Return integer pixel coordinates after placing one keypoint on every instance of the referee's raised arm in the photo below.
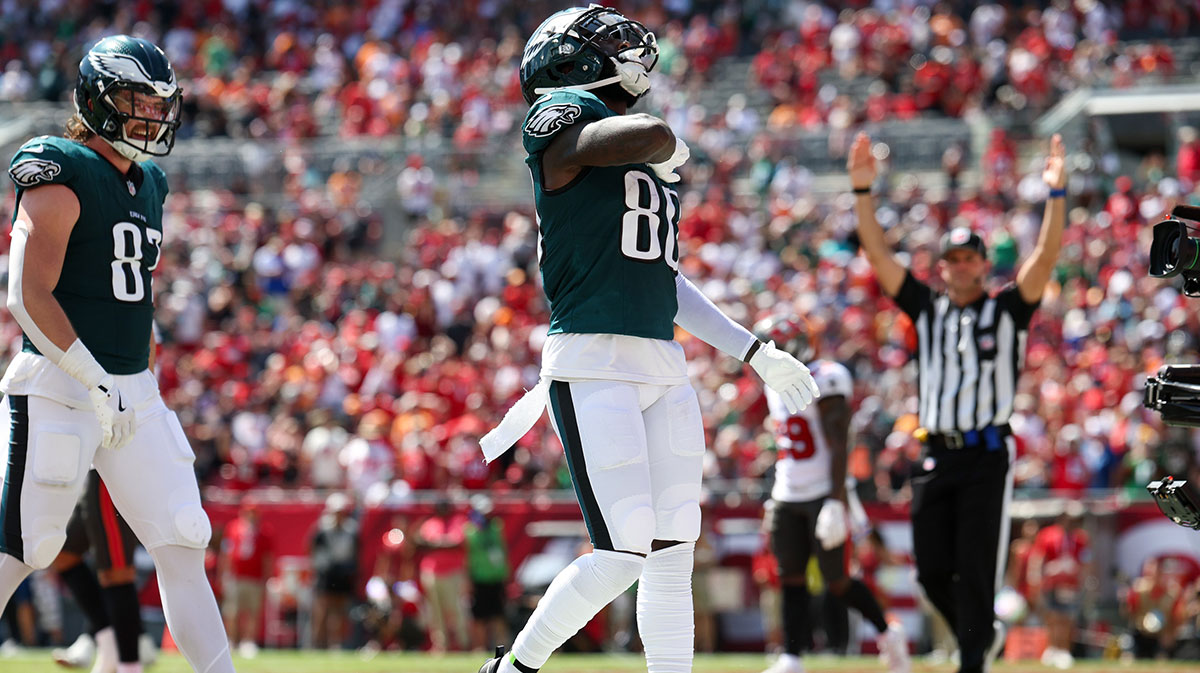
(1035, 272)
(861, 167)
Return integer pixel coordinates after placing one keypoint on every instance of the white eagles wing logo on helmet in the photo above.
(30, 172)
(126, 68)
(552, 118)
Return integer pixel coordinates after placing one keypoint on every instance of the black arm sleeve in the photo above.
(913, 296)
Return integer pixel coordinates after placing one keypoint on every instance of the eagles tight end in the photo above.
(87, 234)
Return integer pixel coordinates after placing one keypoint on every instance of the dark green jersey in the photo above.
(105, 284)
(609, 244)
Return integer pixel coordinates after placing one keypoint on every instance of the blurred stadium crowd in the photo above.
(297, 357)
(278, 68)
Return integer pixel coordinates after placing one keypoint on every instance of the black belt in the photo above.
(989, 437)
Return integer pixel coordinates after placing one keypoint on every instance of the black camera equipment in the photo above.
(1177, 501)
(1176, 251)
(1174, 391)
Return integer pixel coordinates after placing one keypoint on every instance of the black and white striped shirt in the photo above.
(969, 357)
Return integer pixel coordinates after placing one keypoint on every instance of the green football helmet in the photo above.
(588, 48)
(127, 79)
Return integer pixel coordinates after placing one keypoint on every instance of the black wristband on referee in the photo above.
(862, 190)
(753, 349)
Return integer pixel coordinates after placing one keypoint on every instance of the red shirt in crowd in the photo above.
(446, 530)
(247, 546)
(1062, 552)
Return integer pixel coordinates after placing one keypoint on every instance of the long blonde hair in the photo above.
(77, 130)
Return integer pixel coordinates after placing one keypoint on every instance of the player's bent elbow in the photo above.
(20, 301)
(18, 308)
(658, 136)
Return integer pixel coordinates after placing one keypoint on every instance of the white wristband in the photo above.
(79, 362)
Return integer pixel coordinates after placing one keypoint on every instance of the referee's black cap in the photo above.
(962, 238)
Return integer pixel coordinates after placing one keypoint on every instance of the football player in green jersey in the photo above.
(86, 236)
(614, 377)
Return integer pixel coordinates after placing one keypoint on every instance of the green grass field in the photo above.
(38, 661)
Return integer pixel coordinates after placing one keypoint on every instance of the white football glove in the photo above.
(785, 375)
(666, 169)
(115, 413)
(831, 524)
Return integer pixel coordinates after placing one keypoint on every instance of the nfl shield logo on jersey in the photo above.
(132, 188)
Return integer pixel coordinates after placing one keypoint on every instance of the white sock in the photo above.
(190, 608)
(134, 667)
(12, 573)
(574, 597)
(665, 617)
(106, 651)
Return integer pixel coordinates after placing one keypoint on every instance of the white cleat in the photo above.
(106, 651)
(248, 649)
(147, 650)
(786, 663)
(78, 655)
(1056, 658)
(893, 649)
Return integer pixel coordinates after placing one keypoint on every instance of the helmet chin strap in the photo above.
(122, 147)
(129, 151)
(633, 78)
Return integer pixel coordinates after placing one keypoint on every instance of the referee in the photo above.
(970, 349)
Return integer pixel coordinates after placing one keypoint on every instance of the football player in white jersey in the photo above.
(809, 501)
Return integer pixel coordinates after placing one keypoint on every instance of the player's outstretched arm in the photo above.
(701, 318)
(862, 170)
(1035, 272)
(779, 370)
(45, 218)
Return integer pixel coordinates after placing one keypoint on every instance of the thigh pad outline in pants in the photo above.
(153, 484)
(53, 444)
(600, 425)
(675, 438)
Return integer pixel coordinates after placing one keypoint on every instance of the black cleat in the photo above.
(492, 665)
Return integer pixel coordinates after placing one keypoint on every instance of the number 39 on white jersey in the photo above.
(802, 467)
